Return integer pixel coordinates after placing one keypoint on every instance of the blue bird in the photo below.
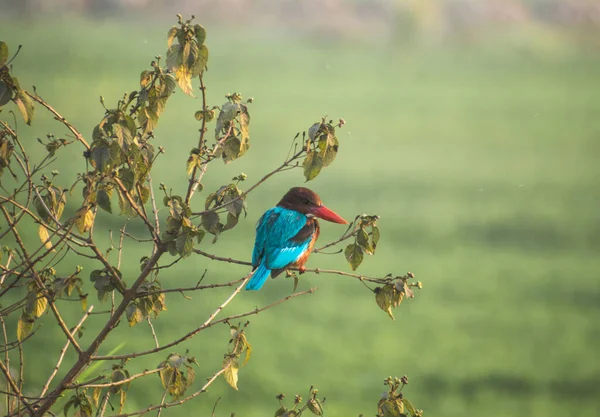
(286, 234)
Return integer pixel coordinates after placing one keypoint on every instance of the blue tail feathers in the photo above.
(259, 277)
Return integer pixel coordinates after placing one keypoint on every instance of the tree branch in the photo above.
(204, 326)
(58, 117)
(63, 351)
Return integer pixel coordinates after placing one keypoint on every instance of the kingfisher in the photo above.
(286, 234)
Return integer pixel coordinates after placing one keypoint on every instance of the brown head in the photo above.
(307, 202)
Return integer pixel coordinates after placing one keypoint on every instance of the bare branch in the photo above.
(116, 383)
(15, 388)
(63, 351)
(204, 327)
(61, 119)
(178, 402)
(193, 185)
(286, 164)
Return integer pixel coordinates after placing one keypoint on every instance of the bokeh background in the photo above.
(472, 130)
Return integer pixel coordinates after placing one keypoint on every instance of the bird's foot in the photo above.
(302, 269)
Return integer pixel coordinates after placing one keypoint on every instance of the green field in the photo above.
(480, 160)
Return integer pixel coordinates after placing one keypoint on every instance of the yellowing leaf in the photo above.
(231, 373)
(24, 327)
(134, 314)
(171, 35)
(25, 105)
(4, 52)
(84, 219)
(44, 236)
(39, 305)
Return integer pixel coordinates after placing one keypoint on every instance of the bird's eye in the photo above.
(307, 201)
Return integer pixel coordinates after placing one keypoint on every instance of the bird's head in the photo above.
(307, 202)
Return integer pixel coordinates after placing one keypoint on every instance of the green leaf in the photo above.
(210, 222)
(25, 105)
(226, 115)
(375, 236)
(232, 148)
(200, 34)
(313, 162)
(231, 373)
(201, 61)
(5, 94)
(315, 407)
(24, 326)
(331, 150)
(362, 238)
(100, 155)
(354, 255)
(4, 53)
(409, 407)
(184, 244)
(384, 297)
(103, 200)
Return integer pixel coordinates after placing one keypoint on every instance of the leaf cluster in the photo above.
(228, 200)
(394, 291)
(238, 346)
(393, 403)
(118, 373)
(366, 236)
(188, 57)
(177, 374)
(150, 302)
(322, 147)
(299, 406)
(10, 90)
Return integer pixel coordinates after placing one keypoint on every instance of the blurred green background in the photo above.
(478, 148)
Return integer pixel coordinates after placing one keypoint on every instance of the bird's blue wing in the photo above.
(274, 234)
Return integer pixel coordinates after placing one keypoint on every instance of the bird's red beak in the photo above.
(324, 213)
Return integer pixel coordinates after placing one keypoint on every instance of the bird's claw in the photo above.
(302, 269)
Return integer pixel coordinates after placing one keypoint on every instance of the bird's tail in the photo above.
(259, 276)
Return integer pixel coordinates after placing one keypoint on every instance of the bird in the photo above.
(286, 234)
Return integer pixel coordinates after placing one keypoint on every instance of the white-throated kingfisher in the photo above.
(286, 234)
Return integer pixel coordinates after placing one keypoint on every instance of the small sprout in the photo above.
(78, 269)
(55, 172)
(404, 380)
(280, 396)
(341, 122)
(161, 149)
(410, 275)
(250, 100)
(419, 284)
(297, 399)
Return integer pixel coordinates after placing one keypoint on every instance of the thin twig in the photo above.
(116, 383)
(178, 402)
(153, 332)
(63, 351)
(259, 182)
(61, 119)
(15, 388)
(193, 184)
(205, 326)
